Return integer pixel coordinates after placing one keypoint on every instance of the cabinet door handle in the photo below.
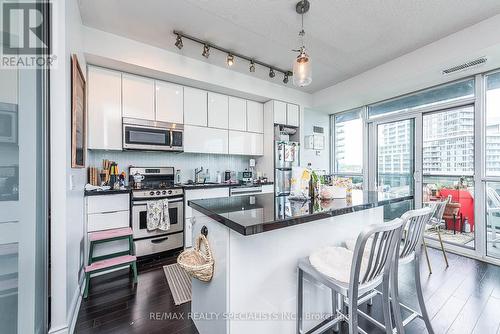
(115, 211)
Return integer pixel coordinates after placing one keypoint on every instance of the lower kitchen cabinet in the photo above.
(246, 143)
(193, 194)
(198, 139)
(104, 212)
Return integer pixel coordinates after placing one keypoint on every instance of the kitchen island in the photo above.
(256, 242)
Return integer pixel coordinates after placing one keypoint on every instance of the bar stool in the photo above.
(352, 274)
(414, 223)
(435, 223)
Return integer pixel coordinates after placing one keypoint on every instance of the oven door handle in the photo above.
(160, 240)
(139, 203)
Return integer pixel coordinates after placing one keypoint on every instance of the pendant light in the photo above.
(302, 71)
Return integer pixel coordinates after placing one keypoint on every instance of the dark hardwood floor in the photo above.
(464, 298)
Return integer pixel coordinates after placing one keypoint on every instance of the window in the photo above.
(446, 93)
(347, 147)
(492, 149)
(348, 142)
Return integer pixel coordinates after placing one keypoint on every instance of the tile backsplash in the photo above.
(186, 162)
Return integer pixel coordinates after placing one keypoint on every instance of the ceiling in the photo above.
(344, 37)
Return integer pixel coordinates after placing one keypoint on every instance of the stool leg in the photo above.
(300, 297)
(134, 269)
(335, 309)
(442, 248)
(353, 314)
(91, 252)
(87, 285)
(131, 245)
(427, 257)
(396, 308)
(386, 304)
(420, 296)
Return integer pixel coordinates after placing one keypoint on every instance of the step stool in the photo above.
(110, 261)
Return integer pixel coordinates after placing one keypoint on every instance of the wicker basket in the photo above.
(198, 263)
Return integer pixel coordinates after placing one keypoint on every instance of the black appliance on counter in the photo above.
(157, 184)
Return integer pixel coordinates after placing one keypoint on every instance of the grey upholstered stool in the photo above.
(351, 275)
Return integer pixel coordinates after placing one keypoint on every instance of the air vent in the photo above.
(465, 66)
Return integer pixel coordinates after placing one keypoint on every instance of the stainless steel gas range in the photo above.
(156, 183)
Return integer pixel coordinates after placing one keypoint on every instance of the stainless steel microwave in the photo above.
(152, 136)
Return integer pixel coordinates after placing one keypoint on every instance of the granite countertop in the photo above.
(254, 214)
(107, 192)
(222, 185)
(185, 186)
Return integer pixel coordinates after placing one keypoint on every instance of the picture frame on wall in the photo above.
(78, 114)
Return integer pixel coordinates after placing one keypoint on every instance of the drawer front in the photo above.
(106, 221)
(108, 203)
(159, 244)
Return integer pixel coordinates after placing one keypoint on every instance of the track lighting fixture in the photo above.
(178, 42)
(206, 51)
(285, 78)
(271, 73)
(230, 59)
(231, 56)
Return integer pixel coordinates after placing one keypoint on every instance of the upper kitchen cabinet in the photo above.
(169, 102)
(292, 114)
(255, 117)
(199, 139)
(237, 114)
(195, 106)
(104, 109)
(138, 97)
(279, 111)
(218, 110)
(246, 143)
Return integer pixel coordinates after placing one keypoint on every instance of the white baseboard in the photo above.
(72, 313)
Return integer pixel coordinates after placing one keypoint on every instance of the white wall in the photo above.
(105, 49)
(313, 118)
(416, 70)
(67, 203)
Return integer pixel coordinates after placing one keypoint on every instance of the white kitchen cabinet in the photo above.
(104, 212)
(192, 194)
(218, 109)
(246, 143)
(138, 97)
(237, 114)
(104, 109)
(279, 111)
(292, 114)
(255, 117)
(195, 106)
(198, 139)
(169, 102)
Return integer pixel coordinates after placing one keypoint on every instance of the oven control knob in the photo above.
(158, 192)
(152, 193)
(169, 192)
(163, 192)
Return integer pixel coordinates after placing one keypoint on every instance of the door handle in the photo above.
(157, 241)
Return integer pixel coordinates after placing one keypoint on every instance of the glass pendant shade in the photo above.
(302, 72)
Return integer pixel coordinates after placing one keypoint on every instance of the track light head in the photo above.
(285, 78)
(252, 67)
(178, 42)
(206, 51)
(230, 60)
(271, 73)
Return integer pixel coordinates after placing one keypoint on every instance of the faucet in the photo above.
(196, 174)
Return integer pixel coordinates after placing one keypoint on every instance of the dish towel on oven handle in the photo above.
(157, 215)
